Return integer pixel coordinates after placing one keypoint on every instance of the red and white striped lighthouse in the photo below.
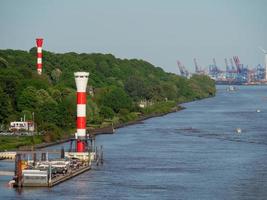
(39, 44)
(81, 79)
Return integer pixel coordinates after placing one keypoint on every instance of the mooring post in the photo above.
(91, 143)
(71, 141)
(96, 155)
(34, 158)
(18, 170)
(94, 145)
(32, 150)
(89, 157)
(62, 153)
(50, 175)
(43, 157)
(101, 156)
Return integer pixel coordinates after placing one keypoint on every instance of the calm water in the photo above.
(192, 154)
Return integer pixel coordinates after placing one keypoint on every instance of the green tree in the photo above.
(170, 91)
(67, 111)
(3, 62)
(116, 98)
(106, 112)
(28, 99)
(136, 88)
(5, 106)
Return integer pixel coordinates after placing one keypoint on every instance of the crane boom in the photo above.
(232, 63)
(226, 65)
(196, 65)
(214, 62)
(263, 50)
(182, 69)
(237, 63)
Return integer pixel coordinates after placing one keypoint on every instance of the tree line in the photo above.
(118, 86)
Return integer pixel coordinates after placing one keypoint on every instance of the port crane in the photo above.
(183, 70)
(232, 64)
(198, 68)
(265, 60)
(227, 67)
(237, 64)
(213, 69)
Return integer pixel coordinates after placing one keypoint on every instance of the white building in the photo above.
(21, 126)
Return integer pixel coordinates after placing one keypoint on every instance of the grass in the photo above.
(160, 107)
(14, 142)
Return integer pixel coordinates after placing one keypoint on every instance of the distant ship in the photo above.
(231, 88)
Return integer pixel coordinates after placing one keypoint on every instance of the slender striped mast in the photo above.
(39, 44)
(81, 79)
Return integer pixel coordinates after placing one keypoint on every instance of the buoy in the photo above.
(258, 110)
(239, 130)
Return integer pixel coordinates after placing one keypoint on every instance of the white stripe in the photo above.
(81, 132)
(39, 60)
(39, 49)
(39, 71)
(81, 90)
(81, 84)
(81, 110)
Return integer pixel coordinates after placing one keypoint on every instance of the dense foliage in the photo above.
(118, 85)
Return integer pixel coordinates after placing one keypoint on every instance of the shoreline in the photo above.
(106, 130)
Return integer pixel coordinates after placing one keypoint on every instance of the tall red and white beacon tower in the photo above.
(39, 44)
(81, 79)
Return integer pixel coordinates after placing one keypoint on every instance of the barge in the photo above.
(48, 173)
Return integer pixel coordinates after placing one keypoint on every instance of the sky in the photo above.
(158, 31)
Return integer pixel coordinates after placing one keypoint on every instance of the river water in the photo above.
(192, 154)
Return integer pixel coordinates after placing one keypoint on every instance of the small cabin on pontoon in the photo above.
(21, 126)
(35, 177)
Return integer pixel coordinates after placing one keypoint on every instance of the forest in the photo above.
(115, 89)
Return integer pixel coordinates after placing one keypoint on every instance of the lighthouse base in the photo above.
(80, 146)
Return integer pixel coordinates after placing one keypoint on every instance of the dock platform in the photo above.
(70, 175)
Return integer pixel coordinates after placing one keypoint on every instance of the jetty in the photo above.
(35, 169)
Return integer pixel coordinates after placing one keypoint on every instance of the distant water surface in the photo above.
(192, 154)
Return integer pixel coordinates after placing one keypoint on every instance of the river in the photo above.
(192, 154)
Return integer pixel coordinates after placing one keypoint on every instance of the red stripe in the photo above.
(80, 146)
(39, 55)
(39, 66)
(39, 42)
(81, 97)
(81, 122)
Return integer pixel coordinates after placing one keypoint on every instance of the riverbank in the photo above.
(105, 130)
(157, 111)
(99, 131)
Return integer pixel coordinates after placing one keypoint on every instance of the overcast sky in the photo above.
(159, 31)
